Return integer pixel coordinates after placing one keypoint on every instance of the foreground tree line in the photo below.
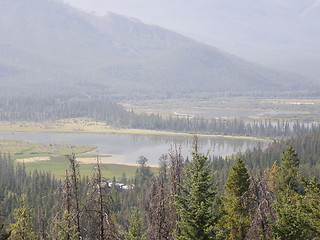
(104, 110)
(181, 201)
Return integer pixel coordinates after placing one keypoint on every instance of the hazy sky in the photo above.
(274, 32)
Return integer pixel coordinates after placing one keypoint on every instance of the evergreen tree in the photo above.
(312, 206)
(63, 230)
(292, 204)
(236, 221)
(134, 229)
(289, 172)
(143, 173)
(272, 176)
(22, 228)
(195, 206)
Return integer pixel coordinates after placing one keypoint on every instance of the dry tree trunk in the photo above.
(260, 200)
(175, 181)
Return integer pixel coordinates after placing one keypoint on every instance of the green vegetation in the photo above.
(134, 229)
(48, 157)
(58, 166)
(71, 115)
(22, 150)
(235, 221)
(195, 204)
(184, 200)
(261, 193)
(23, 227)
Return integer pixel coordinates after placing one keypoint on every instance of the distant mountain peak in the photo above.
(54, 48)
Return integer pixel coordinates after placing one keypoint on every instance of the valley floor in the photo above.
(83, 125)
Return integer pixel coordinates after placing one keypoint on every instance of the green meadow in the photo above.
(59, 165)
(20, 149)
(52, 158)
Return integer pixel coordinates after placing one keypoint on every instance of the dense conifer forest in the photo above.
(112, 113)
(270, 193)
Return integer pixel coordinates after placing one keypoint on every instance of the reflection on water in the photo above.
(130, 147)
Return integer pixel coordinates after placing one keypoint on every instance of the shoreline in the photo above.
(86, 126)
(89, 160)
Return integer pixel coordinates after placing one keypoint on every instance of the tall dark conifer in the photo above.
(235, 222)
(195, 205)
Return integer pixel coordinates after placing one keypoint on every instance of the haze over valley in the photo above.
(159, 120)
(49, 47)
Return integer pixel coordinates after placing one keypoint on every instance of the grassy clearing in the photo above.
(248, 108)
(93, 156)
(23, 149)
(89, 126)
(58, 168)
(51, 158)
(59, 165)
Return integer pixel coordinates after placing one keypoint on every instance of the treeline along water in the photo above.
(126, 148)
(102, 109)
(49, 206)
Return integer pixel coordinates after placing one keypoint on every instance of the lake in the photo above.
(128, 147)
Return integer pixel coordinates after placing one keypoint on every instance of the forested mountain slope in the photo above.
(49, 46)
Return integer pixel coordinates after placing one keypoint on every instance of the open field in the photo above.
(84, 125)
(58, 167)
(43, 157)
(19, 149)
(248, 108)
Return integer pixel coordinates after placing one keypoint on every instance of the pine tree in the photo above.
(236, 221)
(195, 206)
(63, 230)
(289, 172)
(22, 228)
(143, 173)
(312, 206)
(272, 176)
(291, 205)
(134, 229)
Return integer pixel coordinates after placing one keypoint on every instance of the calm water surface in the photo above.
(129, 147)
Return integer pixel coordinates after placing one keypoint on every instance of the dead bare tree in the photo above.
(175, 181)
(74, 167)
(158, 211)
(64, 222)
(260, 200)
(101, 225)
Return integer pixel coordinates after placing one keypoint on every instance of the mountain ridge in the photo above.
(53, 45)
